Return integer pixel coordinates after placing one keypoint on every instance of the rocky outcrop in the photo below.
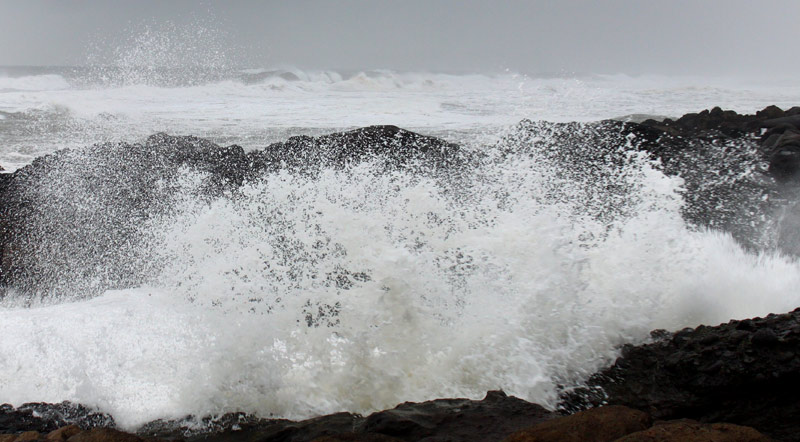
(72, 221)
(603, 424)
(686, 430)
(740, 173)
(44, 418)
(495, 418)
(490, 419)
(743, 372)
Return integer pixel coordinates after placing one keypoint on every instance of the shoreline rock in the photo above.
(745, 372)
(496, 418)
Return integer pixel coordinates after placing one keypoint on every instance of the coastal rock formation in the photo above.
(72, 221)
(735, 178)
(686, 430)
(597, 424)
(44, 418)
(490, 419)
(496, 418)
(744, 372)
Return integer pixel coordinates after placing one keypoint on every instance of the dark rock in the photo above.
(743, 372)
(764, 337)
(770, 112)
(597, 424)
(792, 121)
(45, 418)
(491, 419)
(63, 433)
(243, 427)
(686, 430)
(718, 157)
(356, 437)
(396, 146)
(28, 436)
(71, 221)
(104, 435)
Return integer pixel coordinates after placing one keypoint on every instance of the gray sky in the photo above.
(628, 36)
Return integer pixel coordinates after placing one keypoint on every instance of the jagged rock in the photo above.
(491, 419)
(45, 418)
(602, 424)
(240, 426)
(743, 372)
(63, 433)
(724, 186)
(104, 435)
(71, 221)
(686, 430)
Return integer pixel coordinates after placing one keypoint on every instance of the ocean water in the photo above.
(356, 289)
(44, 109)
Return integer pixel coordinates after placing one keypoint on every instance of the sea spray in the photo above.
(355, 288)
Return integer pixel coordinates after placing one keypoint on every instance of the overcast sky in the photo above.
(615, 36)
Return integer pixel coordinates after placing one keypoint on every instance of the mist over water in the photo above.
(356, 288)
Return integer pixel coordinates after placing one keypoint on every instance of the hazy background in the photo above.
(630, 36)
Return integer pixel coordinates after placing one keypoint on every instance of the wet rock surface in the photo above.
(490, 419)
(44, 417)
(686, 430)
(739, 171)
(72, 221)
(597, 424)
(496, 418)
(743, 372)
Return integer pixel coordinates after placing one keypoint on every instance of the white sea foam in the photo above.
(356, 290)
(255, 109)
(49, 82)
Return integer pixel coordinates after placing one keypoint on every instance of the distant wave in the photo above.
(48, 82)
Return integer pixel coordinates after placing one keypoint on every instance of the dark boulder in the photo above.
(71, 222)
(491, 419)
(604, 424)
(398, 147)
(686, 430)
(44, 418)
(743, 372)
(725, 186)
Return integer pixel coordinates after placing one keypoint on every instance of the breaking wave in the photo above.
(356, 288)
